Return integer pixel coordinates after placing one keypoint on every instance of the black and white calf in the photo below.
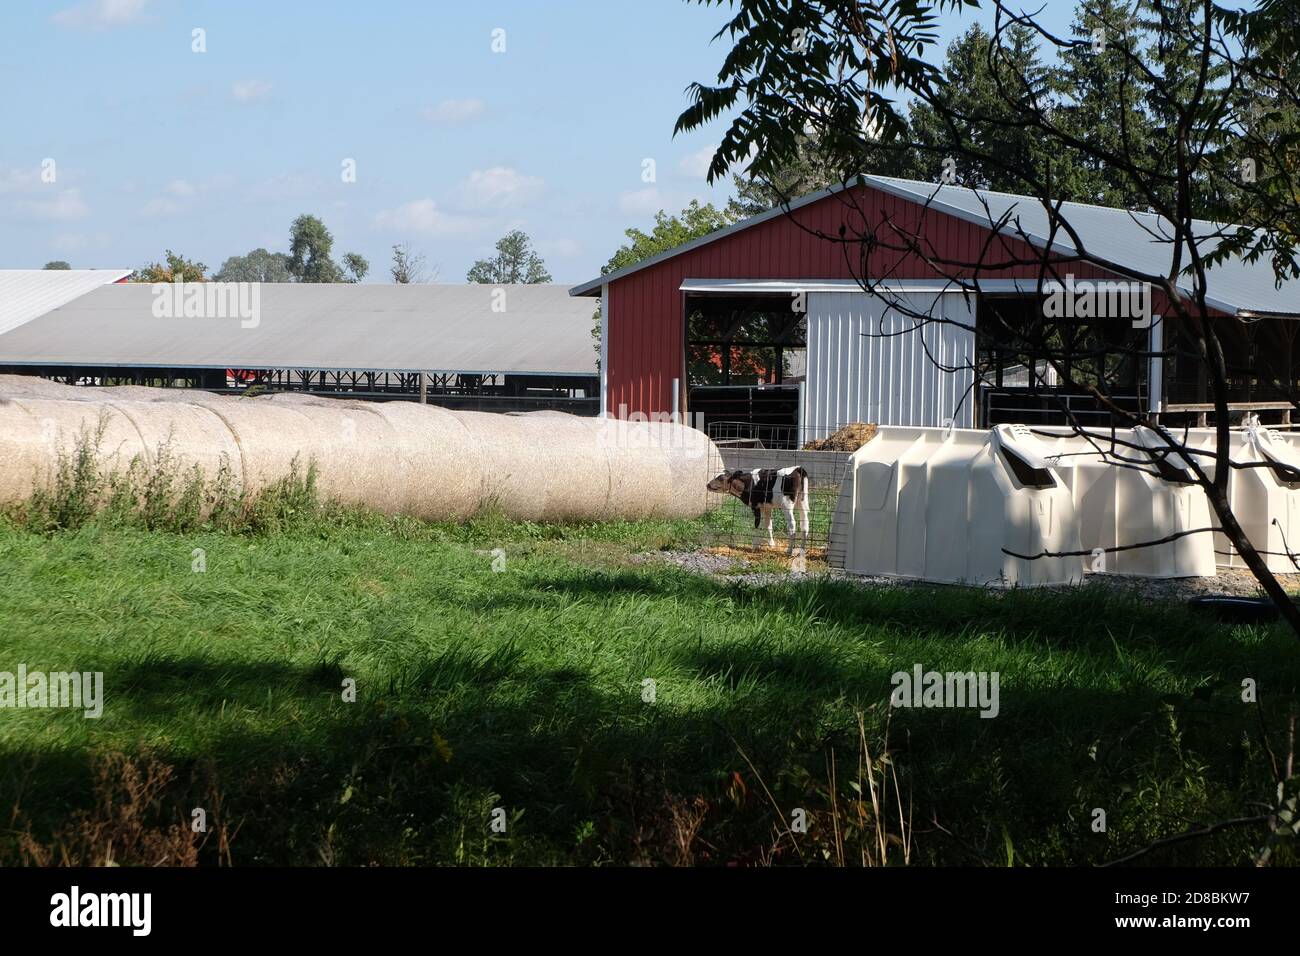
(763, 488)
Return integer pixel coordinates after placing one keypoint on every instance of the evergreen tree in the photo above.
(1104, 97)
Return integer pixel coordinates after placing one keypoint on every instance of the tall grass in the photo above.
(162, 494)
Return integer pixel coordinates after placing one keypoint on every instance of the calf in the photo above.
(760, 489)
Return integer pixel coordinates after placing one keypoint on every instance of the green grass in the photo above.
(523, 689)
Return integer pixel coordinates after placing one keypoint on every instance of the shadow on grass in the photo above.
(405, 773)
(1108, 631)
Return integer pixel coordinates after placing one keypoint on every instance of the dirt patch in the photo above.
(701, 562)
(757, 568)
(762, 553)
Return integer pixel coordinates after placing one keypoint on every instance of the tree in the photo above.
(409, 266)
(991, 84)
(812, 167)
(807, 171)
(258, 266)
(669, 232)
(310, 245)
(175, 269)
(58, 264)
(845, 57)
(355, 267)
(1104, 103)
(1268, 114)
(514, 263)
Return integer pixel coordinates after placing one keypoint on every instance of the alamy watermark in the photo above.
(209, 300)
(75, 690)
(1096, 299)
(75, 908)
(953, 689)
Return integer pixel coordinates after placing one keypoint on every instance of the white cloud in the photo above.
(499, 186)
(176, 198)
(285, 186)
(454, 111)
(67, 205)
(559, 248)
(423, 217)
(160, 208)
(642, 202)
(101, 14)
(17, 179)
(648, 201)
(70, 242)
(247, 91)
(696, 165)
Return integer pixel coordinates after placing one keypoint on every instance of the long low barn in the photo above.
(465, 346)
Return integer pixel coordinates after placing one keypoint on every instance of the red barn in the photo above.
(766, 321)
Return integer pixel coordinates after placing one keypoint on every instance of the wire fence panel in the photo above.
(754, 448)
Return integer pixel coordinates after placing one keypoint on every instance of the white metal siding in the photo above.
(859, 371)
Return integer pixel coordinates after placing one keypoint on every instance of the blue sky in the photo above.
(213, 154)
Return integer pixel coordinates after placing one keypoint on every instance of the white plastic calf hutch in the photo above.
(1264, 492)
(947, 505)
(1264, 495)
(1129, 488)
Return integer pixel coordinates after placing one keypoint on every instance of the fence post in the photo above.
(799, 433)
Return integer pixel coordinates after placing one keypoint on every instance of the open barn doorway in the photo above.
(1018, 385)
(746, 360)
(1261, 357)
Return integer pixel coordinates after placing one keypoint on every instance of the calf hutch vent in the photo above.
(956, 506)
(394, 457)
(1130, 488)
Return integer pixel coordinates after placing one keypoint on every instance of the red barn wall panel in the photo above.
(646, 345)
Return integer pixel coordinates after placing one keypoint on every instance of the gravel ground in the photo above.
(739, 569)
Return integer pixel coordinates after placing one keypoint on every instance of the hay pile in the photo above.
(394, 457)
(849, 438)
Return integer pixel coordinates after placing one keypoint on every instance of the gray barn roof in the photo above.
(1138, 241)
(434, 328)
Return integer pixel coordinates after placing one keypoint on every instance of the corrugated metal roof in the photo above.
(27, 293)
(1138, 241)
(434, 328)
